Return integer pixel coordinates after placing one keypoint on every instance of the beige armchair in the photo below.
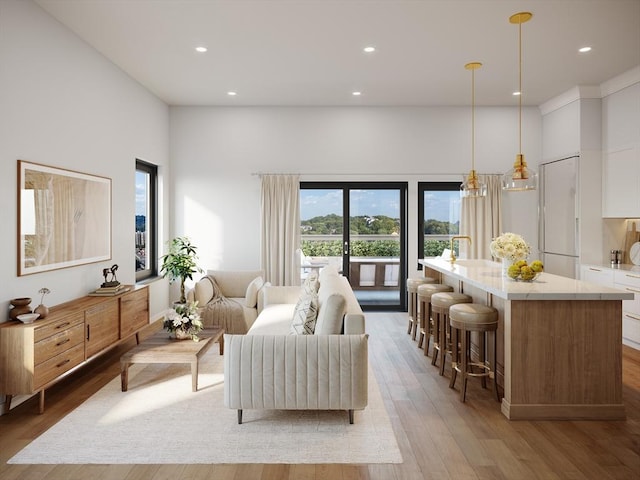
(229, 298)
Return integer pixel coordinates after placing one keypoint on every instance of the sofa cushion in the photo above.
(305, 314)
(274, 320)
(251, 296)
(330, 271)
(331, 314)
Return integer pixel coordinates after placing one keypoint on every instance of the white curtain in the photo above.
(481, 219)
(280, 206)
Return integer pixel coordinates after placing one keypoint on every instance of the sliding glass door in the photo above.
(359, 228)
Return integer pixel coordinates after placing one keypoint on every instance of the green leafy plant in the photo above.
(180, 263)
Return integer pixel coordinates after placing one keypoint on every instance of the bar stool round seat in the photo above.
(440, 304)
(412, 290)
(424, 311)
(467, 318)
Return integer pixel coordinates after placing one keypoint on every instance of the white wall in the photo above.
(214, 152)
(64, 104)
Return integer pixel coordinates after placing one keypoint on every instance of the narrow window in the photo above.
(438, 216)
(145, 221)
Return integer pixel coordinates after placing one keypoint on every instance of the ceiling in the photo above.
(310, 52)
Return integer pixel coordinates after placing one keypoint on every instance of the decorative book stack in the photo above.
(110, 291)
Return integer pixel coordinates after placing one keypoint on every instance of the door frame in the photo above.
(346, 187)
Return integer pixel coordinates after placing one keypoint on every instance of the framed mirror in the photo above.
(64, 218)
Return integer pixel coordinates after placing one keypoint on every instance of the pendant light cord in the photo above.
(520, 88)
(473, 119)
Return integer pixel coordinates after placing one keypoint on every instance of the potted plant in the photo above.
(180, 263)
(183, 321)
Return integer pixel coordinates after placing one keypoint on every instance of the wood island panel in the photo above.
(567, 361)
(558, 358)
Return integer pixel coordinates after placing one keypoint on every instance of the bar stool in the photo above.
(424, 311)
(440, 304)
(412, 289)
(467, 318)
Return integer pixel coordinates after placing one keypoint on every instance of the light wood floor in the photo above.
(439, 437)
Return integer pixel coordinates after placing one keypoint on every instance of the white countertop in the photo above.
(627, 267)
(487, 275)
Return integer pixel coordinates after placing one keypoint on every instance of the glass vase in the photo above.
(506, 263)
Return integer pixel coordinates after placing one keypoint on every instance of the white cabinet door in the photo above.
(595, 274)
(621, 183)
(629, 281)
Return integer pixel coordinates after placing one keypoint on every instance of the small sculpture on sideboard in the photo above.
(109, 275)
(20, 306)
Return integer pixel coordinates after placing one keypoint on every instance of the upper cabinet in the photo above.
(621, 153)
(621, 183)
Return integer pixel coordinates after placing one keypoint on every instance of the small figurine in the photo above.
(113, 281)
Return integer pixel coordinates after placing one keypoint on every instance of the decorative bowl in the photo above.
(529, 280)
(28, 317)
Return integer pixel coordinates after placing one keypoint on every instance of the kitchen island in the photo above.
(559, 340)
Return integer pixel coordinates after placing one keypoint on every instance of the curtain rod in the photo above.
(259, 174)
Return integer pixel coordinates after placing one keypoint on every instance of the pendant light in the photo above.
(471, 187)
(520, 177)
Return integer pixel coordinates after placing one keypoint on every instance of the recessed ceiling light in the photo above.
(201, 49)
(369, 49)
(584, 49)
(515, 94)
(356, 94)
(232, 94)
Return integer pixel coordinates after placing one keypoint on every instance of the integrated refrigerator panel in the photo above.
(559, 218)
(565, 266)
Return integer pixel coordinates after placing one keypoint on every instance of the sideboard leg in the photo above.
(351, 416)
(7, 404)
(41, 408)
(239, 416)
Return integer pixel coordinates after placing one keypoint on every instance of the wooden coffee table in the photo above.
(159, 348)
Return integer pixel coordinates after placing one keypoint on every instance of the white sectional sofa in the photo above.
(270, 368)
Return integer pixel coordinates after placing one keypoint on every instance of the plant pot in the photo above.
(182, 335)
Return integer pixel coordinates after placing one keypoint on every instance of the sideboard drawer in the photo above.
(56, 344)
(58, 326)
(56, 366)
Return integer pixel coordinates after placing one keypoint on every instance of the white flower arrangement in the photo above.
(510, 246)
(184, 319)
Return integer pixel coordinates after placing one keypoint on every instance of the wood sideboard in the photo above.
(35, 356)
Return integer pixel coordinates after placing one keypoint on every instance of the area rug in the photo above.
(161, 421)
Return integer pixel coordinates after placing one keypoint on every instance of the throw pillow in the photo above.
(205, 290)
(251, 297)
(304, 315)
(311, 284)
(331, 316)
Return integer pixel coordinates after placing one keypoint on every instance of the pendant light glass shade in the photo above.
(520, 177)
(471, 187)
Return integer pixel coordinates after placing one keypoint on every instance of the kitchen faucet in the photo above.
(457, 237)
